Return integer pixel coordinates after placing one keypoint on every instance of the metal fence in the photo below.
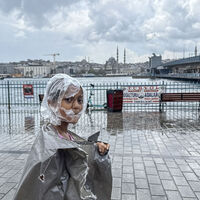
(11, 94)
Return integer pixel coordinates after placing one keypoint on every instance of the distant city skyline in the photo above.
(31, 29)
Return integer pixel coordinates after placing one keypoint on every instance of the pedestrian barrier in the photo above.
(137, 96)
(41, 96)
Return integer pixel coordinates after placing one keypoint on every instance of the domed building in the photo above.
(111, 66)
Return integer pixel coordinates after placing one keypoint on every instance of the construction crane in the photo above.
(54, 56)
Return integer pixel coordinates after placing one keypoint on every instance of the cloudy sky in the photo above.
(31, 29)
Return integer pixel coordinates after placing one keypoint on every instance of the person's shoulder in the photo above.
(44, 136)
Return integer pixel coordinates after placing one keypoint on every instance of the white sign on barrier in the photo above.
(142, 94)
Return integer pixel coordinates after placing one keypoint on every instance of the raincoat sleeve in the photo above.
(99, 177)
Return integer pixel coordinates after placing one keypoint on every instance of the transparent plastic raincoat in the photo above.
(60, 169)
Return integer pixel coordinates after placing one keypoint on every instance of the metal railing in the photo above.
(11, 93)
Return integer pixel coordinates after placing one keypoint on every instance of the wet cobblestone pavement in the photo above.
(154, 156)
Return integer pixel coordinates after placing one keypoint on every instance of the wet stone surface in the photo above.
(154, 156)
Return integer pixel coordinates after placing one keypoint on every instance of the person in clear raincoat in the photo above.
(62, 165)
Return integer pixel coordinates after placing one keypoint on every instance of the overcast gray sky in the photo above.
(94, 28)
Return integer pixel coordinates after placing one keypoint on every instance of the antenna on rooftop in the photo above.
(195, 50)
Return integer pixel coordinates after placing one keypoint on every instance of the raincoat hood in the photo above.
(58, 87)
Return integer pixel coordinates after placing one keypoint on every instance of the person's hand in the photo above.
(103, 148)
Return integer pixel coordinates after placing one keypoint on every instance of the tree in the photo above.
(27, 74)
(91, 71)
(31, 73)
(101, 71)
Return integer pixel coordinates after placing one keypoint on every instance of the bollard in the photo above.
(8, 95)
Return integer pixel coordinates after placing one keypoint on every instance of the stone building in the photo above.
(154, 62)
(111, 66)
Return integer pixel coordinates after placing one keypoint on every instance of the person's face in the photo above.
(74, 103)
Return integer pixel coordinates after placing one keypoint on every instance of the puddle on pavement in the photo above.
(29, 122)
(19, 121)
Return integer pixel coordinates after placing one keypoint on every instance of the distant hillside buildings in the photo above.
(41, 68)
(8, 68)
(155, 65)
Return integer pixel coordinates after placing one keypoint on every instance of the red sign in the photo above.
(28, 90)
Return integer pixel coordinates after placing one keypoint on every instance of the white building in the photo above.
(35, 70)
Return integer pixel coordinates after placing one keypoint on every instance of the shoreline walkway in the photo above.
(154, 155)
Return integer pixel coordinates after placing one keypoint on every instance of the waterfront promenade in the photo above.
(154, 155)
